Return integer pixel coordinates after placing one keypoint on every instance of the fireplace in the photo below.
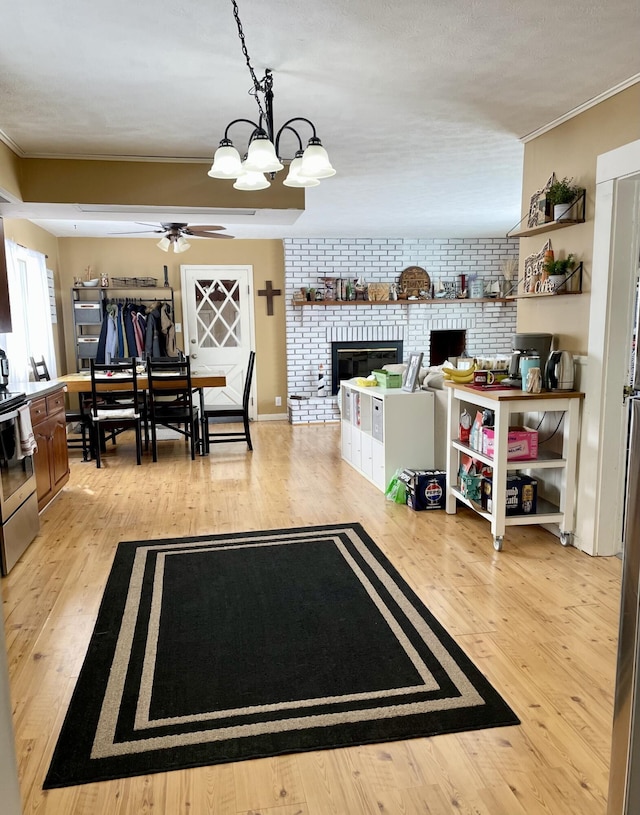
(351, 359)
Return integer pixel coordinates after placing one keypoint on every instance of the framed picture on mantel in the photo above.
(410, 380)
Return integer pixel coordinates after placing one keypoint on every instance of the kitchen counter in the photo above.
(35, 389)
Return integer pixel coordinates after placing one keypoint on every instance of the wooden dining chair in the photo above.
(218, 415)
(114, 409)
(170, 396)
(73, 418)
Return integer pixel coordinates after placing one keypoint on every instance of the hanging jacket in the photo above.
(169, 331)
(155, 339)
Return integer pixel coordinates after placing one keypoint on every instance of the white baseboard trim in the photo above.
(273, 417)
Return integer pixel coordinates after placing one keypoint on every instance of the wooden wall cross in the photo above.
(269, 293)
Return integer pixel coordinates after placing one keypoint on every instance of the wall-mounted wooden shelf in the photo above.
(550, 226)
(542, 294)
(430, 302)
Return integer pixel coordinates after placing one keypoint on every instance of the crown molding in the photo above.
(84, 157)
(581, 108)
(11, 144)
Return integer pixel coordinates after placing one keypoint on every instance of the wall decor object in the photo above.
(413, 280)
(378, 291)
(533, 268)
(539, 207)
(411, 378)
(269, 293)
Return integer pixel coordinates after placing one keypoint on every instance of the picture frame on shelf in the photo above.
(413, 368)
(539, 207)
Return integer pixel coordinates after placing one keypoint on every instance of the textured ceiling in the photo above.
(420, 105)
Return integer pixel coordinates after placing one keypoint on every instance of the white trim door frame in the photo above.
(218, 316)
(604, 423)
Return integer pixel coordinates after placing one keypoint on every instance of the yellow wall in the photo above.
(140, 257)
(9, 171)
(143, 183)
(571, 150)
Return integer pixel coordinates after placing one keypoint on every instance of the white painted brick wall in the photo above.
(490, 326)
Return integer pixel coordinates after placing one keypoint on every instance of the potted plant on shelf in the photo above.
(557, 271)
(562, 195)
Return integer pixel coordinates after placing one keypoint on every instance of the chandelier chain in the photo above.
(257, 86)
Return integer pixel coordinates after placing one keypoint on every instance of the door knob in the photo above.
(193, 342)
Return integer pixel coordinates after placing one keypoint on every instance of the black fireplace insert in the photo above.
(359, 358)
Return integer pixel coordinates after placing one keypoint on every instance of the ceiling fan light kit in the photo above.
(264, 142)
(181, 245)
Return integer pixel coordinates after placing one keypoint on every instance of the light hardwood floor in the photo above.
(539, 620)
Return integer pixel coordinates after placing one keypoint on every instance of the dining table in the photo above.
(81, 383)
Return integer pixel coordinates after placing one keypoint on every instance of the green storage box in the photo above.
(386, 379)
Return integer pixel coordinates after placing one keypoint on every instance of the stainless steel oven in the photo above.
(19, 520)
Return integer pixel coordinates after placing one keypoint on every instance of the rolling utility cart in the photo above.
(506, 403)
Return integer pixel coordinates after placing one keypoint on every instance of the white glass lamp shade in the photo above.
(294, 179)
(181, 245)
(261, 157)
(315, 161)
(164, 244)
(251, 181)
(226, 162)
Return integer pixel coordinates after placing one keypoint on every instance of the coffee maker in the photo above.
(4, 370)
(526, 346)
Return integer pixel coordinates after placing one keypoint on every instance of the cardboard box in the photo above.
(521, 497)
(522, 443)
(471, 485)
(426, 489)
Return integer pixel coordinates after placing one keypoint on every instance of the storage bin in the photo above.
(346, 404)
(87, 313)
(387, 379)
(377, 420)
(87, 347)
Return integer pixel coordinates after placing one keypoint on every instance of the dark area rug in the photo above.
(215, 649)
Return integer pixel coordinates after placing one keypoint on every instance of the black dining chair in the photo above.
(218, 415)
(115, 407)
(170, 397)
(73, 418)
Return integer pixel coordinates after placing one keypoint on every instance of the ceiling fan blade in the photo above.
(198, 234)
(138, 232)
(205, 226)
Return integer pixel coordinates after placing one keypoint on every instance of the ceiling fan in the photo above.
(174, 234)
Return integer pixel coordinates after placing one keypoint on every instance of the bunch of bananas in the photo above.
(459, 376)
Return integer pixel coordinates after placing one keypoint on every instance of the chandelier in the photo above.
(306, 169)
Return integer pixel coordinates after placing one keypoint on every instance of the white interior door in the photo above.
(217, 304)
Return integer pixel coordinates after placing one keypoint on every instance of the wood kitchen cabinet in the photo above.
(51, 461)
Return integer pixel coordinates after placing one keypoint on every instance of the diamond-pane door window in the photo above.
(218, 313)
